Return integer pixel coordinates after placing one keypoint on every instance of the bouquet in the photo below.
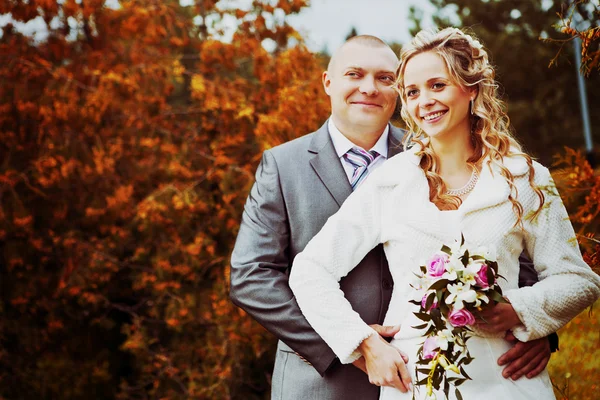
(458, 284)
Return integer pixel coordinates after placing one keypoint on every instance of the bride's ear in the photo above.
(474, 91)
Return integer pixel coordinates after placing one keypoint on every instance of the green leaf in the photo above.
(441, 284)
(446, 250)
(464, 373)
(429, 301)
(497, 297)
(422, 381)
(423, 316)
(489, 274)
(423, 326)
(458, 395)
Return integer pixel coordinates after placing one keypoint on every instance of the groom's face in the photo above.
(358, 82)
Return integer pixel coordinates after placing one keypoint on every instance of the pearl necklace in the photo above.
(467, 188)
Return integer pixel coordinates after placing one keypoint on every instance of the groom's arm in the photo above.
(259, 269)
(527, 358)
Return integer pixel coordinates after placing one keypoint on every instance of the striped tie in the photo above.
(359, 159)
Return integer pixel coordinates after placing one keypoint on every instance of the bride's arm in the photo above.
(567, 284)
(343, 241)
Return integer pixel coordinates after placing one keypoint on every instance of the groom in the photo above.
(298, 186)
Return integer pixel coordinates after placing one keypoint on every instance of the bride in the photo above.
(463, 173)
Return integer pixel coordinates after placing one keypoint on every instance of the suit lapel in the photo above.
(327, 165)
(395, 141)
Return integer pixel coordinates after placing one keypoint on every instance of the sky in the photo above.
(324, 25)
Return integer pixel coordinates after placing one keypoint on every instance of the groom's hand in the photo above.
(525, 358)
(499, 318)
(385, 366)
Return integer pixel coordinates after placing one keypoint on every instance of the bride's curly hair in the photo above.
(468, 65)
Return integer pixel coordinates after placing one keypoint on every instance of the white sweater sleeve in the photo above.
(341, 244)
(567, 284)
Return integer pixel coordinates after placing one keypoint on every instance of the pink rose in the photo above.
(424, 302)
(436, 265)
(429, 348)
(481, 277)
(461, 317)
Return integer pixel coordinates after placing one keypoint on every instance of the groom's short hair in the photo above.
(365, 40)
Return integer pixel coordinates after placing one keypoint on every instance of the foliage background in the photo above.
(129, 139)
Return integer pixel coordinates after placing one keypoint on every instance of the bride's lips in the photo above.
(434, 116)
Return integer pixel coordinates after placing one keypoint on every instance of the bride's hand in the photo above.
(500, 318)
(384, 331)
(384, 364)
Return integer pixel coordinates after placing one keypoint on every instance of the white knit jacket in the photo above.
(393, 207)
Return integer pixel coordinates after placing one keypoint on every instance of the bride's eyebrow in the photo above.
(430, 80)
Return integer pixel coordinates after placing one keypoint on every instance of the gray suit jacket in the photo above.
(298, 186)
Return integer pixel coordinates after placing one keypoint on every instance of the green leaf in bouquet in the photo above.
(437, 379)
(490, 275)
(497, 297)
(415, 302)
(462, 239)
(437, 285)
(465, 258)
(429, 301)
(443, 307)
(423, 370)
(468, 360)
(446, 250)
(423, 270)
(422, 381)
(464, 373)
(423, 362)
(423, 316)
(422, 326)
(477, 257)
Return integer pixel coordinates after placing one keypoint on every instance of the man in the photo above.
(298, 186)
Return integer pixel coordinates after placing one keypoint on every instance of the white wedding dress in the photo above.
(393, 207)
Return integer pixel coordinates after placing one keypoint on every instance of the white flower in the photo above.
(460, 293)
(470, 271)
(443, 337)
(481, 298)
(456, 249)
(489, 253)
(453, 266)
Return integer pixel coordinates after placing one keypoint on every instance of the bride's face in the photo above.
(435, 102)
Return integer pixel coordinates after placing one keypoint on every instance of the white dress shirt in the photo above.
(342, 144)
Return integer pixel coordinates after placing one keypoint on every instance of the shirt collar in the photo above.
(342, 144)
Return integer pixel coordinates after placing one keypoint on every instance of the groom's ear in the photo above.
(326, 81)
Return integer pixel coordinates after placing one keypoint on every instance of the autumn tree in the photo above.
(129, 139)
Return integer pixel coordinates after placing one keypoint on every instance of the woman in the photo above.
(464, 174)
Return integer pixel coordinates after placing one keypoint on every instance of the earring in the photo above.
(472, 105)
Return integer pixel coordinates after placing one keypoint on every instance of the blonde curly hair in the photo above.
(468, 65)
